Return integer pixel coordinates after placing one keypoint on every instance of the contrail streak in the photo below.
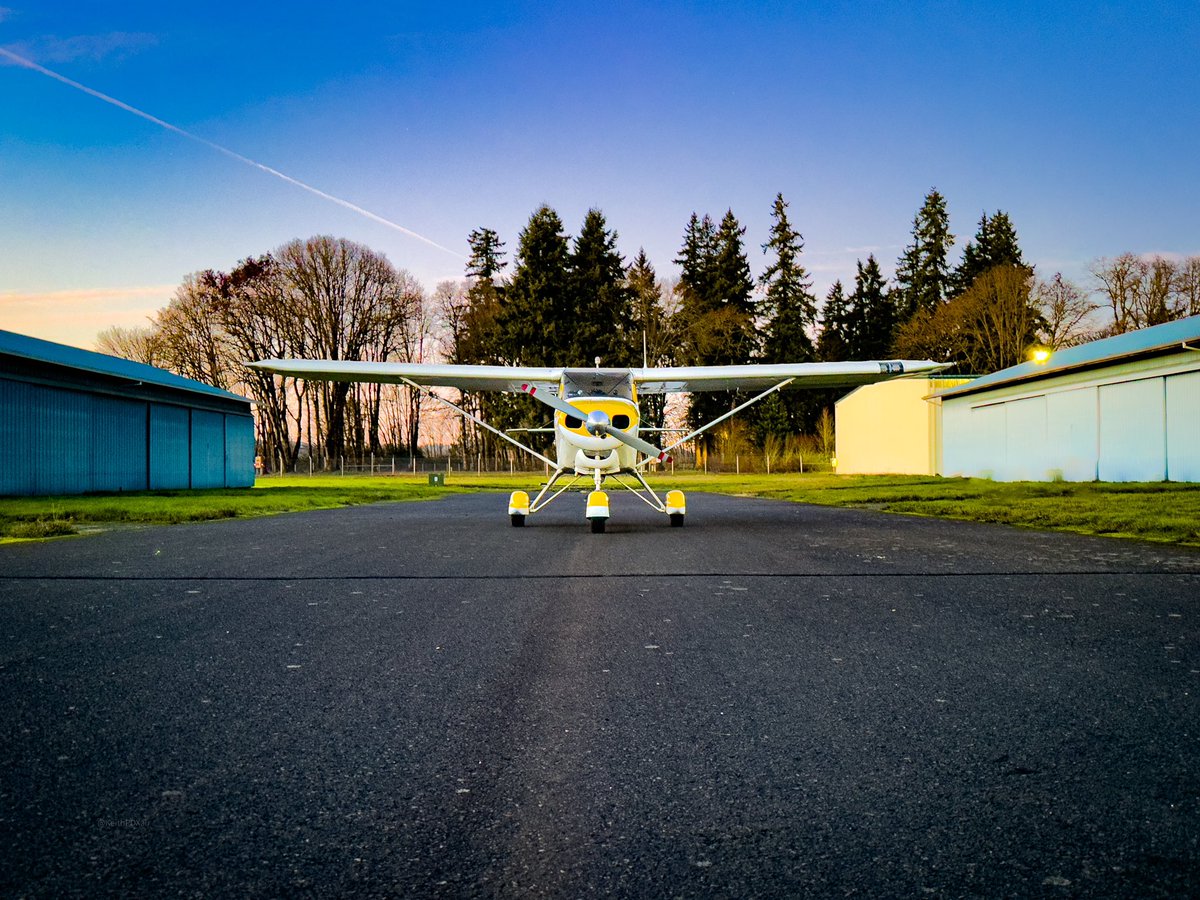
(29, 64)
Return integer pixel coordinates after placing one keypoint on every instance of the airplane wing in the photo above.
(467, 378)
(689, 379)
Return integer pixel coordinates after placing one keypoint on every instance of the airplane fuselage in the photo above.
(578, 448)
(605, 396)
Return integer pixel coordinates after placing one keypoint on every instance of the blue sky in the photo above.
(1078, 119)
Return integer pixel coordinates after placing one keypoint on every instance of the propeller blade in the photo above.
(644, 447)
(597, 423)
(554, 402)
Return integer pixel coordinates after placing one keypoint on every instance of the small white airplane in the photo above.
(596, 418)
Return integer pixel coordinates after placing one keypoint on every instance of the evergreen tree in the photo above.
(790, 312)
(716, 306)
(835, 339)
(733, 288)
(788, 305)
(696, 263)
(872, 314)
(478, 340)
(695, 289)
(995, 244)
(534, 318)
(601, 301)
(652, 331)
(487, 255)
(922, 271)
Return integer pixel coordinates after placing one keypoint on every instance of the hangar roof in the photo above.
(37, 350)
(1170, 337)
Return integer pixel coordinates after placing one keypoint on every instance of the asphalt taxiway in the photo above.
(776, 700)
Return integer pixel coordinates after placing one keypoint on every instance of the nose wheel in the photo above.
(597, 511)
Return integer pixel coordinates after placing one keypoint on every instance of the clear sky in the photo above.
(1081, 120)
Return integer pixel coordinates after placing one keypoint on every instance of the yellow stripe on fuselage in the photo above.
(612, 406)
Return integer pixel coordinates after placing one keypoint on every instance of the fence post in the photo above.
(343, 464)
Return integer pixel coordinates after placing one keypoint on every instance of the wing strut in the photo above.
(420, 388)
(720, 419)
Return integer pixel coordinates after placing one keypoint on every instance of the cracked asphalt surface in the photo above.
(776, 700)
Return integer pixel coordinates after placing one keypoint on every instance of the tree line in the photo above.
(574, 300)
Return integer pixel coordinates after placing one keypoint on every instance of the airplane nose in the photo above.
(597, 423)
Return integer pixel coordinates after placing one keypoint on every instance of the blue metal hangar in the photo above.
(73, 421)
(1126, 408)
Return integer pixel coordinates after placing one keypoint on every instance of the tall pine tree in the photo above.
(652, 331)
(922, 271)
(872, 313)
(788, 306)
(535, 315)
(479, 341)
(790, 311)
(995, 244)
(716, 306)
(836, 338)
(600, 299)
(733, 287)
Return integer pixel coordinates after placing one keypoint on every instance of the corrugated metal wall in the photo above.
(61, 441)
(208, 449)
(1183, 427)
(16, 438)
(1133, 430)
(1071, 433)
(239, 451)
(170, 437)
(118, 444)
(1119, 429)
(1025, 439)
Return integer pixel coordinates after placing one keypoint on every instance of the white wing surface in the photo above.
(689, 379)
(467, 378)
(677, 379)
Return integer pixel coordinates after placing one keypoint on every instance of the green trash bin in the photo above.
(437, 479)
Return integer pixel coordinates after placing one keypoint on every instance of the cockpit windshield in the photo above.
(597, 383)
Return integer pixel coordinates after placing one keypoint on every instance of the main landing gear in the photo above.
(597, 510)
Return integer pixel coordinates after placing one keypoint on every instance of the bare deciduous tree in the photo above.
(1142, 292)
(138, 344)
(192, 338)
(1065, 309)
(350, 300)
(989, 326)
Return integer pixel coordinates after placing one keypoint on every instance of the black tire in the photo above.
(598, 526)
(676, 520)
(518, 521)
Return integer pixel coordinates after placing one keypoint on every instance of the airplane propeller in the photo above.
(597, 423)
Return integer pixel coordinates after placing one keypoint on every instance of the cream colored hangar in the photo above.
(597, 424)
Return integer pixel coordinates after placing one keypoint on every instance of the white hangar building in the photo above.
(1126, 408)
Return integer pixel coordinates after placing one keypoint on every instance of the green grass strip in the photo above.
(1164, 512)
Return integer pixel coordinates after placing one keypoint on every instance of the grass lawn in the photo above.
(1157, 511)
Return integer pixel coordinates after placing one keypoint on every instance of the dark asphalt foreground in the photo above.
(777, 700)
